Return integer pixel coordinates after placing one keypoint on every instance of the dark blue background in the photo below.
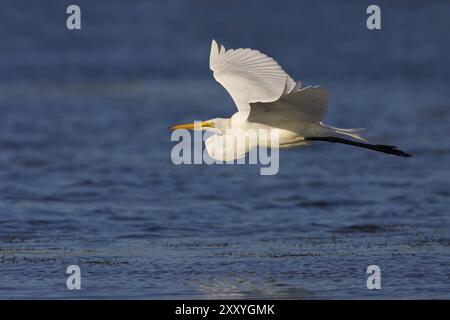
(86, 176)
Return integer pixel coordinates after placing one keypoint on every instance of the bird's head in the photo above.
(212, 125)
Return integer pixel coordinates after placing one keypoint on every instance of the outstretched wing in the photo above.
(306, 105)
(249, 76)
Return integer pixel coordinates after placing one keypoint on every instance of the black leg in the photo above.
(377, 147)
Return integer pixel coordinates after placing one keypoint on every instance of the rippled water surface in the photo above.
(86, 176)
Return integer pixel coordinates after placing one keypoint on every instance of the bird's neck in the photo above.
(239, 120)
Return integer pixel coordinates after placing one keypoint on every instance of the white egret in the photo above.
(268, 98)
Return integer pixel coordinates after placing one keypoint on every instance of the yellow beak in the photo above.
(193, 126)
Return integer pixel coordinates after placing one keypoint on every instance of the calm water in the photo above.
(86, 176)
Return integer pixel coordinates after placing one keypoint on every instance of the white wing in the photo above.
(303, 106)
(249, 76)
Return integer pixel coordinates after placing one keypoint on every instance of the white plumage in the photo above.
(249, 76)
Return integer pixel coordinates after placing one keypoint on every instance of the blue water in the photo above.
(86, 176)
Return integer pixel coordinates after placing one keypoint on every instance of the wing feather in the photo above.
(306, 105)
(249, 76)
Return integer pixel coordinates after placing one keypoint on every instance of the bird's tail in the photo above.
(354, 132)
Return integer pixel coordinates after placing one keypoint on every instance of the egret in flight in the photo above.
(268, 98)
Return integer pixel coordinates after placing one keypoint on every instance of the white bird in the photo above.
(268, 99)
